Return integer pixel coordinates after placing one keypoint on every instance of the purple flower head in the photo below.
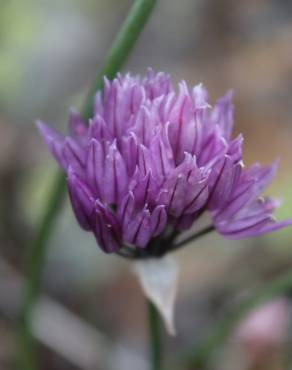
(152, 160)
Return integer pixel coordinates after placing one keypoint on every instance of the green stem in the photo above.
(117, 56)
(35, 265)
(122, 46)
(154, 337)
(198, 358)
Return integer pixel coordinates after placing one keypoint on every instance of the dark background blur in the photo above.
(92, 313)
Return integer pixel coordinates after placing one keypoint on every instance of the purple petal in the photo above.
(162, 157)
(262, 175)
(222, 114)
(200, 97)
(223, 181)
(129, 151)
(250, 185)
(138, 231)
(95, 165)
(77, 127)
(106, 230)
(144, 160)
(156, 84)
(115, 175)
(98, 104)
(121, 100)
(158, 220)
(144, 125)
(74, 155)
(235, 149)
(196, 198)
(262, 227)
(180, 131)
(99, 130)
(82, 200)
(126, 209)
(185, 190)
(54, 142)
(144, 188)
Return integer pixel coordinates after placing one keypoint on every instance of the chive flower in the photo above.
(152, 160)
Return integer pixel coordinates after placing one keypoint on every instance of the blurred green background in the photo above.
(92, 313)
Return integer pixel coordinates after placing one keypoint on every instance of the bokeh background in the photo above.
(91, 315)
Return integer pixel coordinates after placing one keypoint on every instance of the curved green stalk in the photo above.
(122, 46)
(154, 337)
(118, 54)
(35, 265)
(198, 358)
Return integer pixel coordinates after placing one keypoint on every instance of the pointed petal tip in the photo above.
(227, 98)
(39, 124)
(47, 132)
(150, 72)
(284, 223)
(271, 226)
(44, 130)
(72, 111)
(276, 163)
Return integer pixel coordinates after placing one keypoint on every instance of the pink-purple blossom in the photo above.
(153, 159)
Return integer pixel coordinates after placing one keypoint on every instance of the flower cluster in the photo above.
(152, 158)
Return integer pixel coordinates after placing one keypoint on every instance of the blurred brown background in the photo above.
(92, 313)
